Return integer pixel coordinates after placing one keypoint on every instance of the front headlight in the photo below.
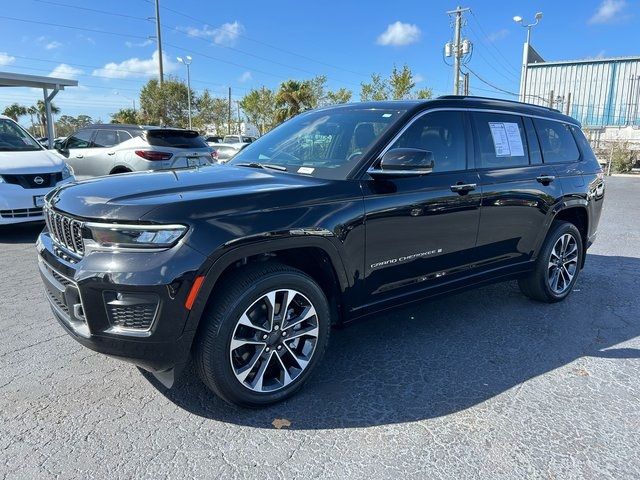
(67, 171)
(135, 236)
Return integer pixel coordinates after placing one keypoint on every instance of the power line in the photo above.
(477, 20)
(497, 60)
(182, 32)
(289, 52)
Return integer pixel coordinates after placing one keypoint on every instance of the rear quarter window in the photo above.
(175, 139)
(556, 141)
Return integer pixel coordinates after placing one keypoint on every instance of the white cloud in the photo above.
(66, 71)
(144, 43)
(499, 35)
(601, 54)
(52, 45)
(399, 33)
(417, 78)
(608, 12)
(245, 77)
(225, 34)
(136, 67)
(6, 59)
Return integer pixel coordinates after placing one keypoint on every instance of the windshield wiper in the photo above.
(262, 165)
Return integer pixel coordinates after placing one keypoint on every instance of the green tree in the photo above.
(125, 115)
(67, 124)
(377, 89)
(292, 98)
(15, 111)
(399, 86)
(259, 106)
(342, 95)
(212, 111)
(424, 94)
(41, 114)
(401, 83)
(165, 104)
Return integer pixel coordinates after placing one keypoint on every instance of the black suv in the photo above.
(337, 213)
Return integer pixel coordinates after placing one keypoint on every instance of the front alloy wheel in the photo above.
(274, 340)
(263, 333)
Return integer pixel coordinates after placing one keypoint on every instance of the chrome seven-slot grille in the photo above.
(65, 231)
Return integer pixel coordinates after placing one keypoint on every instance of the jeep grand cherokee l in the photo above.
(335, 214)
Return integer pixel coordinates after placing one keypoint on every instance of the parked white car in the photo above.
(106, 149)
(27, 173)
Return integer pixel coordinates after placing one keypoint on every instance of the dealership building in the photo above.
(602, 93)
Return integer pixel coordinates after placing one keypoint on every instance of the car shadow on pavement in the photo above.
(20, 232)
(435, 358)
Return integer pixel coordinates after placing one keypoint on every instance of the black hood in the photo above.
(128, 197)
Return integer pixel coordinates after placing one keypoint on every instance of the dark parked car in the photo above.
(337, 213)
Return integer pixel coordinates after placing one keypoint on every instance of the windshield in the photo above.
(13, 138)
(325, 143)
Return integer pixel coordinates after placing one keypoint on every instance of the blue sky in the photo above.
(264, 43)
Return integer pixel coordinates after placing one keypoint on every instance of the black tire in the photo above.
(240, 291)
(538, 285)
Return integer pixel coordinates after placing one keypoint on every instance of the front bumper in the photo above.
(125, 305)
(17, 204)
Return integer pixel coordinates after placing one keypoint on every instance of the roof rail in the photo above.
(473, 97)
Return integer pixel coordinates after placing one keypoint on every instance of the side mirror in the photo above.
(400, 162)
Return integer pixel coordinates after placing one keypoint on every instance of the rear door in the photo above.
(100, 158)
(518, 190)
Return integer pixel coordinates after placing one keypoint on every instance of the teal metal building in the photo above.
(599, 92)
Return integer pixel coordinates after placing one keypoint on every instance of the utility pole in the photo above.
(459, 48)
(229, 114)
(158, 35)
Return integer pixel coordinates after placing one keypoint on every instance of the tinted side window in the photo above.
(123, 136)
(80, 139)
(105, 138)
(583, 143)
(500, 140)
(556, 141)
(442, 134)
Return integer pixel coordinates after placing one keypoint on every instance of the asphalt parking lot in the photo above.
(482, 384)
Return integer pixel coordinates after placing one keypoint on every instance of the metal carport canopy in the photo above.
(50, 87)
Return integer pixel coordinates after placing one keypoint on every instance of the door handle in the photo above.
(463, 188)
(545, 179)
(79, 156)
(111, 153)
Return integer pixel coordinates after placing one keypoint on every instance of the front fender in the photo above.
(256, 245)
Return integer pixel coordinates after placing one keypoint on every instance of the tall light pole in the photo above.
(187, 62)
(525, 53)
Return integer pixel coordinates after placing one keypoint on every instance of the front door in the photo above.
(421, 230)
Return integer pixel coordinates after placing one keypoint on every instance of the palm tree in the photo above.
(293, 98)
(41, 114)
(15, 111)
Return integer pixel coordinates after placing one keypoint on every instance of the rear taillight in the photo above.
(214, 155)
(154, 155)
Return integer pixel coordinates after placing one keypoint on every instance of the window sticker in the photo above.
(506, 139)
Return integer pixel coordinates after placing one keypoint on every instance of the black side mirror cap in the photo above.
(399, 162)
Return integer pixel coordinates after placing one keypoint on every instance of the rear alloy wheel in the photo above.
(557, 266)
(563, 263)
(263, 333)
